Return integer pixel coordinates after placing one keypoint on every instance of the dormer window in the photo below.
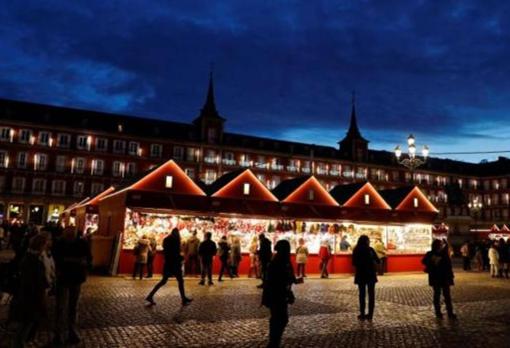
(169, 181)
(367, 199)
(246, 189)
(415, 202)
(311, 195)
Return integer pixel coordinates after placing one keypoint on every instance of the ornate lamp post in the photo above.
(411, 162)
(475, 208)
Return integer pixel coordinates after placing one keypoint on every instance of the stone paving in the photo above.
(228, 314)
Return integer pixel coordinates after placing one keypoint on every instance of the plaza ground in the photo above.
(228, 314)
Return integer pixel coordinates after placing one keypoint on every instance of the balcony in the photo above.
(210, 160)
(229, 162)
(244, 163)
(292, 169)
(305, 170)
(276, 166)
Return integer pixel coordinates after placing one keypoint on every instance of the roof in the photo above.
(342, 193)
(223, 180)
(286, 187)
(395, 196)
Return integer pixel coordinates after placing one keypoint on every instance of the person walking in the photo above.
(466, 257)
(236, 256)
(479, 258)
(503, 258)
(325, 256)
(265, 254)
(301, 258)
(365, 261)
(380, 250)
(172, 267)
(494, 260)
(438, 265)
(191, 254)
(30, 302)
(224, 256)
(142, 250)
(277, 293)
(507, 266)
(206, 251)
(153, 251)
(72, 260)
(254, 262)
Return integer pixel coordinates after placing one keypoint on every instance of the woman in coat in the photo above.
(438, 265)
(494, 260)
(301, 258)
(365, 261)
(324, 255)
(142, 251)
(224, 255)
(236, 256)
(277, 293)
(254, 261)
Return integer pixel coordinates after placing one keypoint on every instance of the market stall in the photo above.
(238, 204)
(492, 233)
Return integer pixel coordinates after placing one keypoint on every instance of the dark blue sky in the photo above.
(285, 69)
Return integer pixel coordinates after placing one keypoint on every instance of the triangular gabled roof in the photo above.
(231, 185)
(298, 191)
(395, 196)
(505, 228)
(353, 196)
(494, 228)
(408, 203)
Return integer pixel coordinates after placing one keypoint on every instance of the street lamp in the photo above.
(411, 161)
(475, 206)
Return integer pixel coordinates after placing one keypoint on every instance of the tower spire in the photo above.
(209, 108)
(353, 127)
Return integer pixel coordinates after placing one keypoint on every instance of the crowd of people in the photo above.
(44, 279)
(487, 255)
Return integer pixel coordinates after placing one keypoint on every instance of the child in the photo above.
(301, 258)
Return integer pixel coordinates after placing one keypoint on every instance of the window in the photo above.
(210, 176)
(118, 168)
(131, 169)
(156, 150)
(4, 159)
(24, 136)
(96, 188)
(178, 152)
(78, 165)
(415, 202)
(60, 165)
(78, 188)
(39, 186)
(133, 148)
(191, 154)
(169, 181)
(83, 142)
(101, 144)
(44, 138)
(119, 146)
(367, 199)
(311, 195)
(40, 161)
(190, 172)
(18, 184)
(6, 134)
(58, 187)
(22, 160)
(63, 140)
(97, 167)
(246, 189)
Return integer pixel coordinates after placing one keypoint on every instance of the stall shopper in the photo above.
(466, 256)
(494, 260)
(191, 254)
(364, 260)
(264, 254)
(503, 258)
(152, 255)
(277, 294)
(172, 267)
(301, 258)
(438, 265)
(236, 256)
(224, 256)
(325, 256)
(206, 251)
(141, 251)
(380, 250)
(254, 262)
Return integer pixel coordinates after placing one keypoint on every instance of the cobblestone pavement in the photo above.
(228, 314)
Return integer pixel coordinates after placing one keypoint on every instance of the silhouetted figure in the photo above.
(466, 256)
(503, 258)
(142, 250)
(236, 256)
(72, 260)
(172, 266)
(277, 294)
(507, 267)
(365, 261)
(206, 251)
(344, 244)
(224, 255)
(325, 256)
(192, 260)
(153, 251)
(438, 265)
(264, 254)
(30, 303)
(494, 259)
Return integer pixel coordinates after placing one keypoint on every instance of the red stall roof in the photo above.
(409, 198)
(306, 189)
(240, 184)
(360, 195)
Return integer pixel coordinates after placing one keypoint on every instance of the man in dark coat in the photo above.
(438, 265)
(172, 267)
(206, 251)
(72, 260)
(264, 254)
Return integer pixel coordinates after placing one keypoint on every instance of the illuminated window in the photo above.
(5, 134)
(367, 199)
(78, 165)
(40, 161)
(44, 138)
(311, 195)
(24, 136)
(169, 181)
(246, 189)
(78, 188)
(118, 168)
(4, 159)
(81, 142)
(97, 167)
(415, 202)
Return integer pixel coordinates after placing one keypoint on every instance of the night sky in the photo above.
(283, 69)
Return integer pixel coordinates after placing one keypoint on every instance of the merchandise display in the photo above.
(91, 222)
(399, 239)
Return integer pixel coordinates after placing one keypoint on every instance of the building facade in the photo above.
(51, 157)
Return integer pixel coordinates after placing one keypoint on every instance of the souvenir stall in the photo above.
(492, 233)
(239, 205)
(87, 213)
(440, 231)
